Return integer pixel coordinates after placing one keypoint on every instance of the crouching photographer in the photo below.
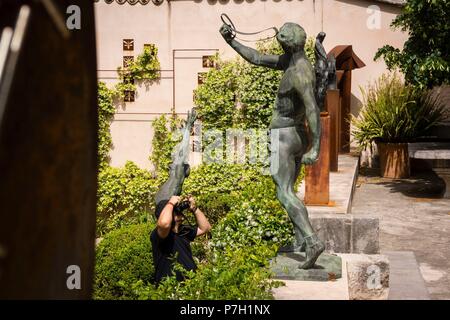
(172, 238)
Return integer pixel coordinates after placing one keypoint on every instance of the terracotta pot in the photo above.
(394, 160)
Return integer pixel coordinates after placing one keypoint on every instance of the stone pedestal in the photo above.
(286, 266)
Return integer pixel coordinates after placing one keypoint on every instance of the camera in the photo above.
(181, 206)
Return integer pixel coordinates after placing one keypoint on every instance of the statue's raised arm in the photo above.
(179, 168)
(249, 54)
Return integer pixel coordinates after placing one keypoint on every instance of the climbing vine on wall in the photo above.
(146, 67)
(165, 138)
(106, 112)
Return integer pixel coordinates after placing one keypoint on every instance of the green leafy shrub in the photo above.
(255, 218)
(217, 186)
(395, 112)
(238, 94)
(233, 265)
(124, 270)
(124, 196)
(123, 257)
(227, 275)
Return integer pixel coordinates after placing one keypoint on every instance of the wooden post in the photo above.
(317, 184)
(332, 106)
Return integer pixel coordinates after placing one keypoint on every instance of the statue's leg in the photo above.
(285, 169)
(299, 240)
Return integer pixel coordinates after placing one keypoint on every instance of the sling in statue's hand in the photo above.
(226, 32)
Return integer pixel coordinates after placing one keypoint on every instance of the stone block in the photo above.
(334, 231)
(368, 276)
(365, 235)
(347, 233)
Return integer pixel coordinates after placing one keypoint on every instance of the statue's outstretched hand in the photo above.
(310, 157)
(226, 32)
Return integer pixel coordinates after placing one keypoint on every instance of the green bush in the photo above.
(238, 94)
(125, 196)
(217, 186)
(250, 225)
(124, 270)
(395, 112)
(123, 258)
(255, 218)
(236, 274)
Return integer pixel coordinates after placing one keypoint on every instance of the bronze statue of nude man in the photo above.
(295, 103)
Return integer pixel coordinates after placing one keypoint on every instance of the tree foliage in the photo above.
(425, 57)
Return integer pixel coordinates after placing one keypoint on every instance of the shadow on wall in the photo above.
(355, 105)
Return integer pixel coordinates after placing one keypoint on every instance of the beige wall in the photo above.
(194, 25)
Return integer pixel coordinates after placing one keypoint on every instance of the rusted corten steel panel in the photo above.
(317, 179)
(346, 61)
(332, 103)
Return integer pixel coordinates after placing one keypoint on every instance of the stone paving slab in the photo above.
(342, 185)
(414, 218)
(406, 281)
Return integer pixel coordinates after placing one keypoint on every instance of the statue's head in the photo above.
(320, 36)
(292, 37)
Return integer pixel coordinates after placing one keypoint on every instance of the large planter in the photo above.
(394, 160)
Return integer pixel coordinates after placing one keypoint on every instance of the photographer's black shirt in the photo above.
(164, 250)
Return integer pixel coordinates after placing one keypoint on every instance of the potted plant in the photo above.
(394, 114)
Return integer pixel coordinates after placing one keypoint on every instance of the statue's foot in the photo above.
(292, 248)
(314, 247)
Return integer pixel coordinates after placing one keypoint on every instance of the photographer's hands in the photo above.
(192, 204)
(174, 200)
(202, 222)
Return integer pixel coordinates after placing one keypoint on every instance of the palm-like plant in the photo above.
(394, 112)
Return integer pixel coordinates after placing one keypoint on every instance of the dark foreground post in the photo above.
(48, 157)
